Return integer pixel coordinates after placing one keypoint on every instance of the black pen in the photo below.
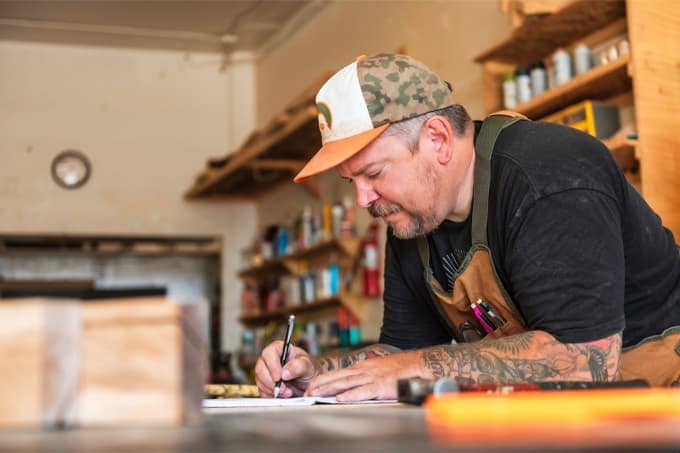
(284, 353)
(496, 318)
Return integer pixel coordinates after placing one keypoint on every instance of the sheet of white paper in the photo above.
(279, 402)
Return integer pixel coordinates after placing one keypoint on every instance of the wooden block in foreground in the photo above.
(122, 362)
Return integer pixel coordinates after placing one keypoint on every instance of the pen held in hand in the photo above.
(284, 352)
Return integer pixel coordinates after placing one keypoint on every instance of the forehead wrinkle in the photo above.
(378, 156)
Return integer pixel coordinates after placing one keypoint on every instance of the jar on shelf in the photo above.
(523, 84)
(509, 91)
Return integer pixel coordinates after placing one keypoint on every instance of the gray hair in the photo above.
(409, 129)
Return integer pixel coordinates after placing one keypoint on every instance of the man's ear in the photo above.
(438, 131)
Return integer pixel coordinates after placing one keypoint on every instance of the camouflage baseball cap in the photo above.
(362, 99)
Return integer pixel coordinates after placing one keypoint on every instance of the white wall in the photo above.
(445, 35)
(148, 120)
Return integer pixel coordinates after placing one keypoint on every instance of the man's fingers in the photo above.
(268, 368)
(271, 356)
(361, 393)
(265, 389)
(341, 382)
(298, 368)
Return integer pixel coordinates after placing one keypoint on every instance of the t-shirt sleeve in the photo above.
(408, 319)
(566, 265)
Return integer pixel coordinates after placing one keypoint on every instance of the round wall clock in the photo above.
(71, 169)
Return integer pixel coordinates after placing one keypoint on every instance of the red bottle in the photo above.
(369, 254)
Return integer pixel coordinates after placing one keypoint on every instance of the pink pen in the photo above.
(480, 317)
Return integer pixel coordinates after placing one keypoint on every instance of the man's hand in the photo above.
(367, 379)
(296, 374)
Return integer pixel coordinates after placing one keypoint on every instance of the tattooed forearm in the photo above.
(527, 357)
(335, 360)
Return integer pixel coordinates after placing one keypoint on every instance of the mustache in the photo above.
(377, 210)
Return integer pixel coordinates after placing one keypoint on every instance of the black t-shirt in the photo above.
(579, 251)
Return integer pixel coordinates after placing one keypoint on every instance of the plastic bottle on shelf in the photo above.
(539, 78)
(312, 339)
(343, 327)
(354, 331)
(310, 286)
(523, 84)
(337, 214)
(327, 220)
(334, 275)
(509, 91)
(282, 240)
(324, 289)
(348, 228)
(307, 227)
(562, 62)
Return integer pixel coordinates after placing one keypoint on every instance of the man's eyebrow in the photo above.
(362, 169)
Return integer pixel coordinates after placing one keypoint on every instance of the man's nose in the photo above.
(365, 194)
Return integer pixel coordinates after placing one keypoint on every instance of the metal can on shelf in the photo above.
(582, 57)
(562, 62)
(539, 78)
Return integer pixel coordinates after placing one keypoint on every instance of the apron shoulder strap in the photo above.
(486, 140)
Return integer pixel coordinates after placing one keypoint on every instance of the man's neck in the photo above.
(463, 178)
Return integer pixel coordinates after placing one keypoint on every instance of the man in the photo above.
(524, 235)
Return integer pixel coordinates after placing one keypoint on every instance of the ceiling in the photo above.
(223, 26)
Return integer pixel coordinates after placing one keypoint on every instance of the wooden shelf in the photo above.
(269, 157)
(537, 39)
(283, 264)
(21, 245)
(347, 300)
(601, 82)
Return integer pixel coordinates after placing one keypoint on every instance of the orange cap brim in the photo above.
(336, 152)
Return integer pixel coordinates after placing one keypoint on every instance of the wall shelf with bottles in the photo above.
(314, 265)
(537, 39)
(308, 310)
(603, 74)
(600, 82)
(290, 263)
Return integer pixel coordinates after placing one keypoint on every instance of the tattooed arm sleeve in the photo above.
(527, 357)
(337, 360)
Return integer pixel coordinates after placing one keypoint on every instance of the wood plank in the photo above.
(252, 151)
(654, 28)
(533, 7)
(537, 39)
(291, 165)
(352, 302)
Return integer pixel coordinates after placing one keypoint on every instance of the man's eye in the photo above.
(374, 174)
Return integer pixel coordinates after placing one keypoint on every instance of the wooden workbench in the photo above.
(386, 428)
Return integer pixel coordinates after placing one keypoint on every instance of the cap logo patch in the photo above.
(325, 117)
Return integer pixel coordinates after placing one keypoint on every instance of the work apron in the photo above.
(479, 307)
